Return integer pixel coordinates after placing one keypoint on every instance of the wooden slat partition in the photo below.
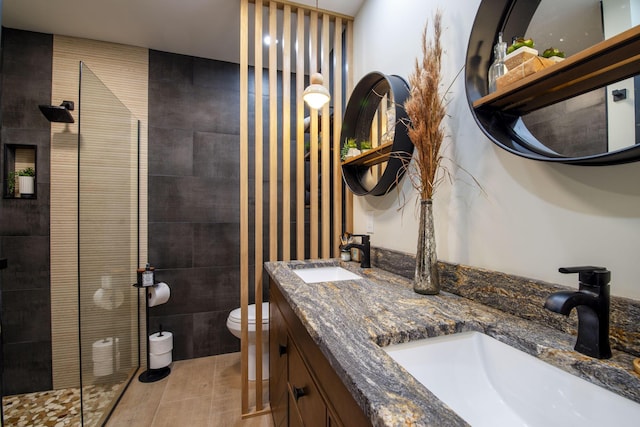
(316, 46)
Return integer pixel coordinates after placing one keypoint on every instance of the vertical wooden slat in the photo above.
(313, 137)
(286, 133)
(349, 86)
(326, 143)
(300, 190)
(258, 153)
(337, 126)
(244, 201)
(273, 134)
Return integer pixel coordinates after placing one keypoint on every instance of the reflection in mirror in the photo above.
(595, 122)
(382, 132)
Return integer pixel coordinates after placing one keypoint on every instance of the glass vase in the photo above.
(427, 279)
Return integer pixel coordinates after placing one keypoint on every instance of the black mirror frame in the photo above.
(508, 131)
(361, 108)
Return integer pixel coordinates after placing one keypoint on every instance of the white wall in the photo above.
(532, 217)
(621, 115)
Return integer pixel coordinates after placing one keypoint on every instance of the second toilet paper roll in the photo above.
(103, 357)
(160, 344)
(158, 294)
(157, 361)
(102, 350)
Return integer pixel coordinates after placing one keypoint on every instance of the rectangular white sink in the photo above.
(325, 274)
(489, 383)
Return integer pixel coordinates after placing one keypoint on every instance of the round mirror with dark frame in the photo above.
(583, 110)
(374, 126)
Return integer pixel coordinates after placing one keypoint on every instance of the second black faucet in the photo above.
(364, 247)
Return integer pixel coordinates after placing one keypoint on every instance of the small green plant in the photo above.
(27, 172)
(348, 143)
(11, 183)
(365, 145)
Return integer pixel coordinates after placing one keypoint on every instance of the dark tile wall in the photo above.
(24, 224)
(194, 231)
(575, 127)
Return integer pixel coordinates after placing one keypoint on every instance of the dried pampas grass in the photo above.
(426, 108)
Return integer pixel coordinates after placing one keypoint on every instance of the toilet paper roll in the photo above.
(158, 294)
(102, 350)
(108, 298)
(160, 344)
(157, 361)
(102, 368)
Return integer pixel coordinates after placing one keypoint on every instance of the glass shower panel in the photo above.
(108, 246)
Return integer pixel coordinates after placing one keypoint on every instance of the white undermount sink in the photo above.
(325, 274)
(489, 383)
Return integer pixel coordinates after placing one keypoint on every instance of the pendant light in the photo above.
(316, 95)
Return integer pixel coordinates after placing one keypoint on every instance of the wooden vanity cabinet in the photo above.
(304, 389)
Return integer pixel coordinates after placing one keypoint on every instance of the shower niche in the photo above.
(19, 171)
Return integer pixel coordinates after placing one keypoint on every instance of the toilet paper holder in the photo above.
(150, 375)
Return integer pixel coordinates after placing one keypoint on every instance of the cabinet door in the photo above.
(305, 402)
(278, 366)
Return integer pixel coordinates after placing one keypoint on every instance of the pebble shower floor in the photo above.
(56, 408)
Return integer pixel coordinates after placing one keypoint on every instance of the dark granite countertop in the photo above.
(350, 320)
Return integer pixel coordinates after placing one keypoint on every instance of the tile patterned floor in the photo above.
(201, 392)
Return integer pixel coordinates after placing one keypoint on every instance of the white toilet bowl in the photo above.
(233, 323)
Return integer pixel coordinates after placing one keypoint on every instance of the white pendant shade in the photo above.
(316, 95)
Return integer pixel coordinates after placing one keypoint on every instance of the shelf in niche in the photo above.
(374, 156)
(605, 63)
(18, 157)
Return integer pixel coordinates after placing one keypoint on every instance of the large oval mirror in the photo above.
(597, 125)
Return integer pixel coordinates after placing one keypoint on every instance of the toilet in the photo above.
(233, 324)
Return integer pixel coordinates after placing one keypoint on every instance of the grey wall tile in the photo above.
(167, 67)
(216, 74)
(199, 289)
(195, 101)
(26, 316)
(24, 225)
(28, 263)
(171, 151)
(170, 245)
(211, 335)
(192, 199)
(27, 367)
(216, 245)
(216, 155)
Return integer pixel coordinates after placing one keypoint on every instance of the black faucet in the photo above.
(364, 247)
(592, 303)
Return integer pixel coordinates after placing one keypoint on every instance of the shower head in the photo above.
(58, 113)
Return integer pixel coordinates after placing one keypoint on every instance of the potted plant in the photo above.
(26, 182)
(365, 146)
(349, 149)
